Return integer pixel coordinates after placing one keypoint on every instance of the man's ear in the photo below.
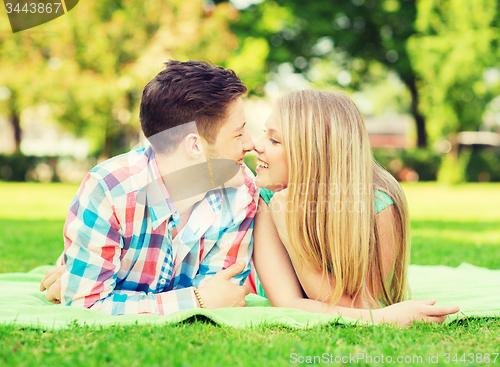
(193, 146)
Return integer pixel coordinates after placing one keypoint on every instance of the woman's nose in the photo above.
(258, 146)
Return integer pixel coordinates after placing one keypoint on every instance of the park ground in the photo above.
(450, 225)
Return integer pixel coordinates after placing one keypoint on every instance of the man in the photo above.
(149, 231)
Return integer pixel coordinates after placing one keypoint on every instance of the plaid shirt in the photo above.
(118, 248)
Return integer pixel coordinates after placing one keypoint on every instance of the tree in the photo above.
(455, 53)
(354, 33)
(91, 65)
(23, 59)
(115, 60)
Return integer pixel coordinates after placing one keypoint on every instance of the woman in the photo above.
(337, 228)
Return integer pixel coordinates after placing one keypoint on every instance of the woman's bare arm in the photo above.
(282, 287)
(310, 279)
(271, 261)
(389, 240)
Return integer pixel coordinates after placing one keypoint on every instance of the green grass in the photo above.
(26, 244)
(31, 223)
(201, 344)
(449, 226)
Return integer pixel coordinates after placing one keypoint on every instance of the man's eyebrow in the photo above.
(241, 127)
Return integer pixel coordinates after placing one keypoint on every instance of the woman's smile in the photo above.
(261, 165)
(271, 153)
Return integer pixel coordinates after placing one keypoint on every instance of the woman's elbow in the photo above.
(283, 302)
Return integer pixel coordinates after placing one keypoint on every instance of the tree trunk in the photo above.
(108, 142)
(15, 120)
(419, 119)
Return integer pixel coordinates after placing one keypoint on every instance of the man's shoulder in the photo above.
(123, 162)
(125, 171)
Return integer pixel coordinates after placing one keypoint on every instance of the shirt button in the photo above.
(163, 281)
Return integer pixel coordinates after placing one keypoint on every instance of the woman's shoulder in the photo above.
(382, 200)
(266, 195)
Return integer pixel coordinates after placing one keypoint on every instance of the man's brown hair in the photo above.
(185, 92)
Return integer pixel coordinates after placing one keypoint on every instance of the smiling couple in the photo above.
(171, 226)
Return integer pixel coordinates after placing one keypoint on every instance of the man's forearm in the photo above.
(132, 303)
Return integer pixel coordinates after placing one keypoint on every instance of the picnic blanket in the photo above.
(475, 290)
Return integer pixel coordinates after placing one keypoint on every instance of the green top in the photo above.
(382, 201)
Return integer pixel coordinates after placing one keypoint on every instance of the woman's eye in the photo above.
(274, 141)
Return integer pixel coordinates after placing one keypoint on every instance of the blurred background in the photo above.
(425, 74)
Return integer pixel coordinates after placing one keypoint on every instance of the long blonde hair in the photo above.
(332, 179)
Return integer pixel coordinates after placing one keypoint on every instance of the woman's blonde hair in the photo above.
(332, 179)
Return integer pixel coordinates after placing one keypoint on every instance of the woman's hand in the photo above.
(406, 312)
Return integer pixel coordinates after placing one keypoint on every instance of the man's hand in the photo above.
(406, 312)
(52, 282)
(219, 292)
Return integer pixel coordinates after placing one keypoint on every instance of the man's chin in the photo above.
(237, 180)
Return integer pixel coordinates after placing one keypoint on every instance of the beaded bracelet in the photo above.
(197, 294)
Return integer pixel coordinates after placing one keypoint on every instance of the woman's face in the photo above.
(272, 169)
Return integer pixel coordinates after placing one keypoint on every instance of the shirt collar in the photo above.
(160, 205)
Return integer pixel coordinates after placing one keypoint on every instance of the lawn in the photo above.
(449, 226)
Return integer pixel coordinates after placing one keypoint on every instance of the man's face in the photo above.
(232, 142)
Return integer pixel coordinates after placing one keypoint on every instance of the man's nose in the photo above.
(248, 144)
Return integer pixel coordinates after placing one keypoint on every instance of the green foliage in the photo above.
(18, 167)
(249, 62)
(251, 162)
(15, 166)
(337, 43)
(91, 65)
(423, 161)
(484, 165)
(359, 30)
(457, 41)
(441, 50)
(478, 165)
(453, 170)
